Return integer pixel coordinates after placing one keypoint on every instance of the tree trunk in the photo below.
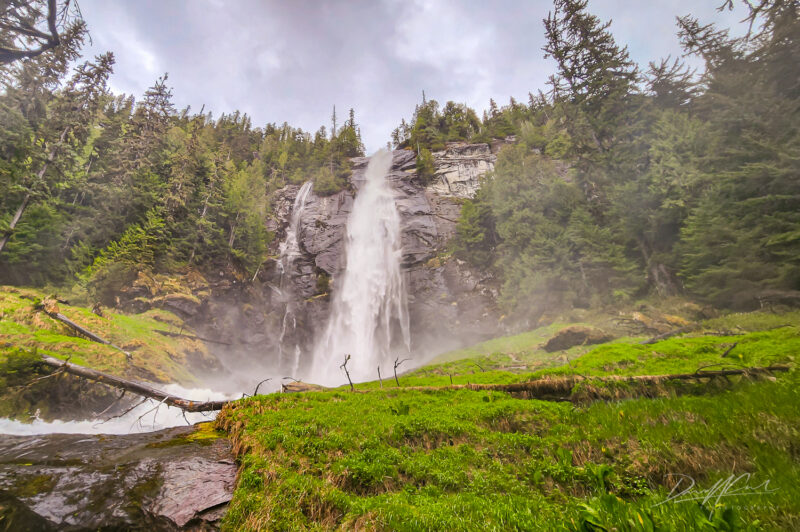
(14, 220)
(545, 389)
(27, 198)
(658, 274)
(86, 332)
(233, 231)
(133, 387)
(561, 388)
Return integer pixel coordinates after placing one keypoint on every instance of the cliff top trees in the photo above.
(685, 182)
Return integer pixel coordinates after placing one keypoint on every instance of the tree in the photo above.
(596, 74)
(550, 252)
(743, 235)
(425, 165)
(31, 28)
(71, 117)
(476, 237)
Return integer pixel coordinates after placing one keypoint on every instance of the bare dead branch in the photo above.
(344, 367)
(259, 385)
(397, 363)
(115, 401)
(131, 409)
(728, 351)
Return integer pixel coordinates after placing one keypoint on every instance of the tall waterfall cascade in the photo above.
(290, 250)
(369, 315)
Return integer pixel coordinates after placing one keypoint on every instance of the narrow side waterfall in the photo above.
(369, 315)
(290, 250)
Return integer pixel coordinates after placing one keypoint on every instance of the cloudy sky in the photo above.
(292, 60)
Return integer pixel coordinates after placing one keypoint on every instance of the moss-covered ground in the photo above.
(27, 333)
(399, 459)
(160, 357)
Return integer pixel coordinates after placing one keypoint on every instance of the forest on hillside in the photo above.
(676, 181)
(623, 181)
(94, 186)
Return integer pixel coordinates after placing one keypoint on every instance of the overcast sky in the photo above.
(292, 60)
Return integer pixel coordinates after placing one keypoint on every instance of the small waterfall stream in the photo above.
(369, 314)
(290, 250)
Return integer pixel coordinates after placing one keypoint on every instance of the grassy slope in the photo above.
(466, 460)
(155, 357)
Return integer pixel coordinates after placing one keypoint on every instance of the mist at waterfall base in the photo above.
(369, 315)
(148, 416)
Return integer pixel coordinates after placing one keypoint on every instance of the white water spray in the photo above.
(147, 417)
(369, 306)
(290, 250)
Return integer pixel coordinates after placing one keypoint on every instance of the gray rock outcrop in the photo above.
(459, 167)
(447, 299)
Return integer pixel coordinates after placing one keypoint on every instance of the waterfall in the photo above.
(369, 306)
(290, 250)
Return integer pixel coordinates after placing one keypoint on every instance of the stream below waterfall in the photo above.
(147, 417)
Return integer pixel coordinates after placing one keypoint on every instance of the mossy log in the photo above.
(189, 336)
(133, 387)
(561, 388)
(84, 331)
(546, 389)
(669, 334)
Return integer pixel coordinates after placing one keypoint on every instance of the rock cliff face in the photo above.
(449, 303)
(459, 167)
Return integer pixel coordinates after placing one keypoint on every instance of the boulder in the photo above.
(576, 335)
(184, 305)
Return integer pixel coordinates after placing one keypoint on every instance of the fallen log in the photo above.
(668, 334)
(134, 387)
(546, 388)
(84, 331)
(562, 387)
(190, 336)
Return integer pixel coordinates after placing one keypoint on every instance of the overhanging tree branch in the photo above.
(18, 24)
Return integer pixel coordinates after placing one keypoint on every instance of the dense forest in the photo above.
(94, 186)
(622, 182)
(627, 181)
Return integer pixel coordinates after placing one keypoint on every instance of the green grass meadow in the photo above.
(444, 459)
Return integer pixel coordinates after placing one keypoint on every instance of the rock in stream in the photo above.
(174, 479)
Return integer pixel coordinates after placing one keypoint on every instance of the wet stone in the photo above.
(174, 479)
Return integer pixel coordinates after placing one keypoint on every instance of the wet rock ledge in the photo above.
(174, 479)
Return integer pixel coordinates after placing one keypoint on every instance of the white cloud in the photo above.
(279, 60)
